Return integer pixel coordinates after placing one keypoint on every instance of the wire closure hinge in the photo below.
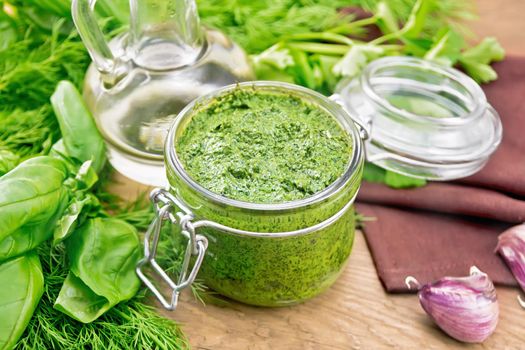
(364, 127)
(167, 207)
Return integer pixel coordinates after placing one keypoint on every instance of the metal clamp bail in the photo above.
(167, 207)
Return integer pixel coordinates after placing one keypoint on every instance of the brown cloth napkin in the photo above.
(444, 228)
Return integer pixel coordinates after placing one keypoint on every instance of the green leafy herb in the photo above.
(476, 60)
(8, 160)
(25, 134)
(103, 254)
(22, 287)
(81, 138)
(257, 25)
(76, 212)
(373, 173)
(31, 196)
(31, 68)
(446, 47)
(396, 180)
(129, 325)
(428, 30)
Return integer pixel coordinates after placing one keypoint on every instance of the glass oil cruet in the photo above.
(141, 79)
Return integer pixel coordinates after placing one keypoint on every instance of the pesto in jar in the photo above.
(267, 145)
(264, 147)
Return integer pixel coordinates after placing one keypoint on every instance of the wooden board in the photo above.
(355, 313)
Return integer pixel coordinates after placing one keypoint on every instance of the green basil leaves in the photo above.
(32, 196)
(22, 286)
(103, 253)
(81, 139)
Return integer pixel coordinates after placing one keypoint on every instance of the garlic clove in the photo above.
(511, 246)
(466, 308)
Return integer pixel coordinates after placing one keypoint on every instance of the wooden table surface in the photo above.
(355, 313)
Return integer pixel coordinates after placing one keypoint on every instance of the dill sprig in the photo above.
(257, 25)
(31, 68)
(129, 325)
(28, 133)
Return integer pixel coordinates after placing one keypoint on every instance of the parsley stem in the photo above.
(349, 28)
(326, 49)
(324, 36)
(387, 37)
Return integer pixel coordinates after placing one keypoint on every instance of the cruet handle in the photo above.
(92, 36)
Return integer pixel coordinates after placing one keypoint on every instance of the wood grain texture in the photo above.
(355, 313)
(505, 20)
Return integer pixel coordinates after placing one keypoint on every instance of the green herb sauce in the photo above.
(264, 147)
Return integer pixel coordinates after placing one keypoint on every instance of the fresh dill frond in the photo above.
(30, 69)
(129, 325)
(257, 25)
(28, 133)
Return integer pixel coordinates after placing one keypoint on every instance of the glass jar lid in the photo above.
(421, 119)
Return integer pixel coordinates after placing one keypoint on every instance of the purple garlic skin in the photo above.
(511, 246)
(466, 308)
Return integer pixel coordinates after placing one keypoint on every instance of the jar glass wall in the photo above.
(272, 254)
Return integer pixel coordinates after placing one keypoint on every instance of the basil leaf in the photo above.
(22, 287)
(86, 176)
(373, 173)
(396, 180)
(29, 237)
(81, 138)
(31, 194)
(67, 223)
(79, 302)
(103, 253)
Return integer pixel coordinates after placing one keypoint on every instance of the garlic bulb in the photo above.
(511, 246)
(466, 308)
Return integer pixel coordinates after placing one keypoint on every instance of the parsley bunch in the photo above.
(431, 29)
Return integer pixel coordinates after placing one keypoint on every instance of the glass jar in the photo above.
(409, 115)
(270, 254)
(424, 120)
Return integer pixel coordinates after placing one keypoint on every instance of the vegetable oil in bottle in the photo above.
(143, 78)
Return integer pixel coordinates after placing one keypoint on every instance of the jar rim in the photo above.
(473, 89)
(342, 117)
